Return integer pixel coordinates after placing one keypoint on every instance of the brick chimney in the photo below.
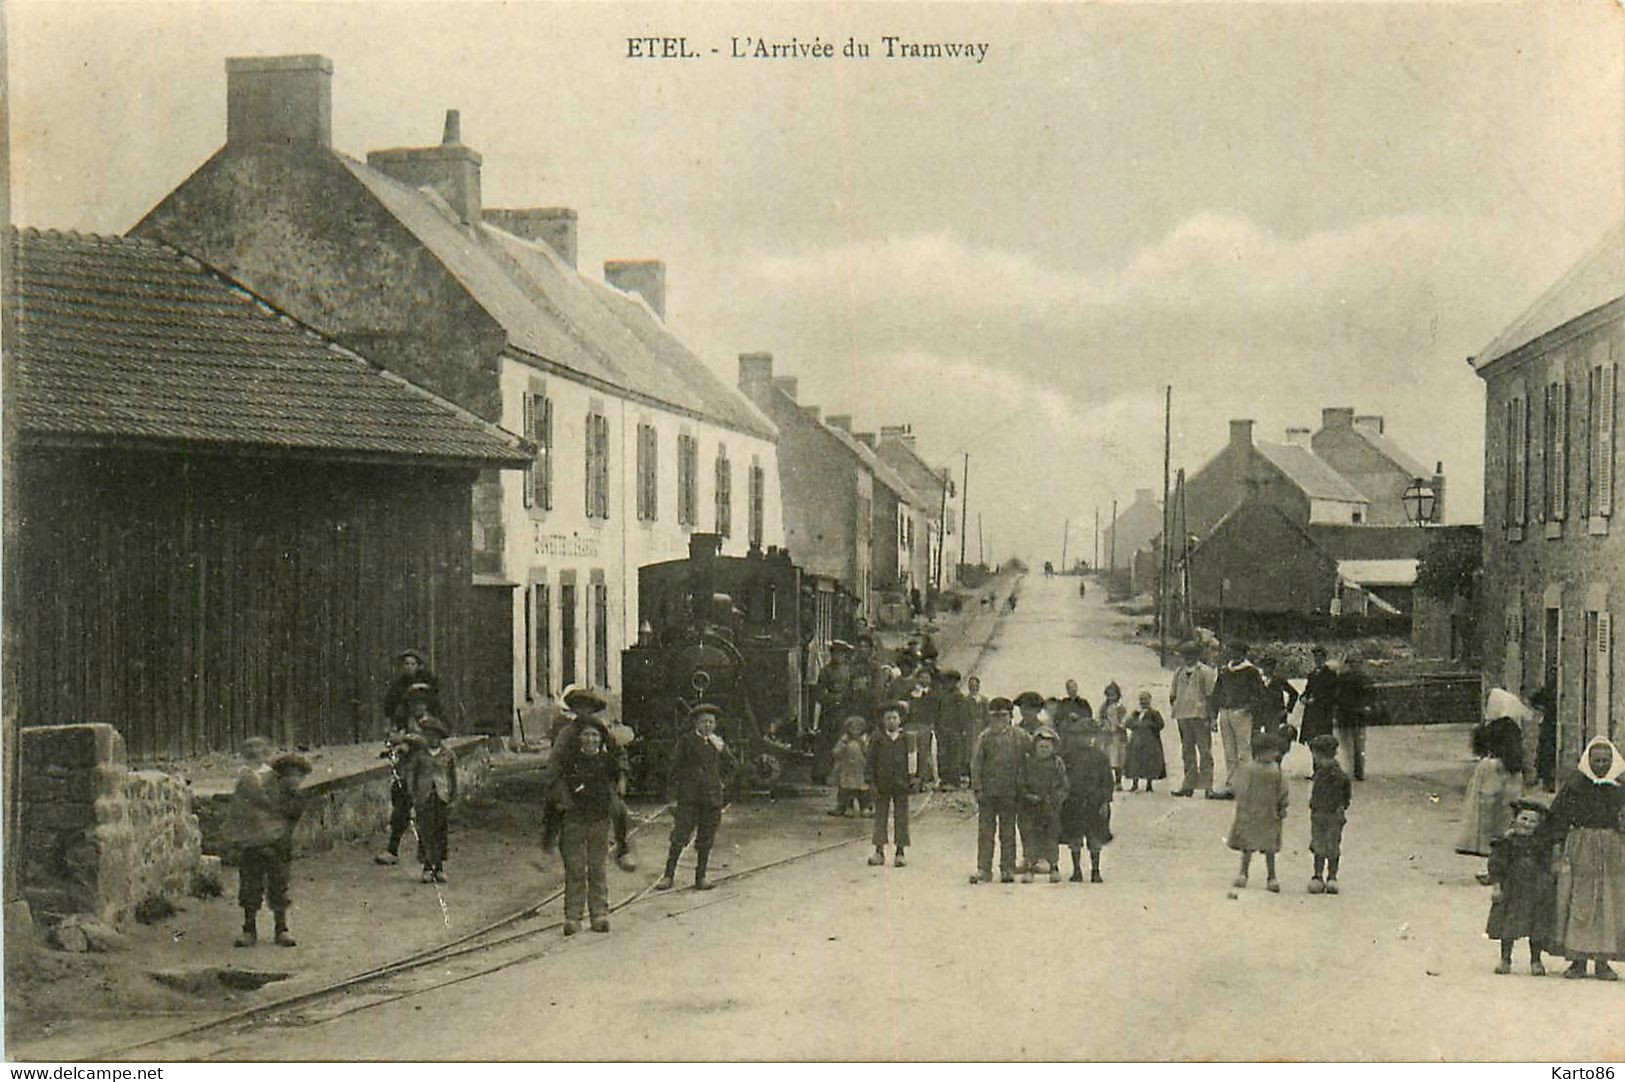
(903, 434)
(755, 369)
(1298, 437)
(645, 277)
(865, 438)
(786, 385)
(279, 100)
(552, 226)
(1369, 422)
(1241, 433)
(1144, 495)
(450, 169)
(812, 411)
(842, 421)
(1337, 417)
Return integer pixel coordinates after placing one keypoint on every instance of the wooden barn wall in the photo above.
(191, 602)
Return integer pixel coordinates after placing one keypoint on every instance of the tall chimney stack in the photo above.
(755, 369)
(842, 421)
(645, 277)
(1337, 417)
(552, 226)
(1369, 422)
(280, 100)
(786, 385)
(1241, 433)
(450, 169)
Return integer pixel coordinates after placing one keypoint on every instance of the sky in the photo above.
(1269, 208)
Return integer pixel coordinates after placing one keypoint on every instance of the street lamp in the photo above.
(1419, 500)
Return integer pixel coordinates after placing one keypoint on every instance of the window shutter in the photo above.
(1605, 672)
(1560, 451)
(1510, 448)
(530, 434)
(544, 436)
(1605, 439)
(590, 474)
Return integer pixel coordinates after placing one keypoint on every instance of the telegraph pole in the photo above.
(981, 553)
(1065, 530)
(1112, 540)
(1163, 585)
(964, 508)
(1095, 563)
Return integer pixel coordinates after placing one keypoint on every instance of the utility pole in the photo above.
(942, 526)
(1094, 565)
(1163, 585)
(964, 508)
(1112, 541)
(981, 553)
(1065, 530)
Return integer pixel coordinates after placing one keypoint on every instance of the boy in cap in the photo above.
(699, 763)
(956, 718)
(589, 780)
(403, 740)
(889, 780)
(264, 810)
(582, 707)
(995, 767)
(1329, 797)
(1043, 786)
(431, 775)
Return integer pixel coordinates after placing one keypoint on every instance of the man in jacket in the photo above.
(995, 771)
(1192, 699)
(1238, 695)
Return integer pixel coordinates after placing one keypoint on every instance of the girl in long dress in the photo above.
(1114, 720)
(1588, 816)
(1497, 780)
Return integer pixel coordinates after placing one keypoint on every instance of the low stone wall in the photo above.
(97, 837)
(351, 806)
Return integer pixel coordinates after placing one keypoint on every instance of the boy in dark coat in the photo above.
(1329, 797)
(589, 782)
(1043, 786)
(431, 778)
(1524, 902)
(405, 737)
(700, 761)
(889, 779)
(265, 807)
(1086, 817)
(995, 768)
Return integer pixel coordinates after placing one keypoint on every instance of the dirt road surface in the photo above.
(828, 958)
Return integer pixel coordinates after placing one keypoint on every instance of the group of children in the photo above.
(1261, 803)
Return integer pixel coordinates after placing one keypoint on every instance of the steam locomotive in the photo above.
(747, 633)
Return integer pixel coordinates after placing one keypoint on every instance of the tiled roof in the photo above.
(1396, 454)
(120, 339)
(1594, 281)
(1311, 474)
(551, 312)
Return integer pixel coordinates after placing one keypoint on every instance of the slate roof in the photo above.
(551, 312)
(882, 472)
(1310, 473)
(118, 339)
(1597, 279)
(1396, 454)
(926, 482)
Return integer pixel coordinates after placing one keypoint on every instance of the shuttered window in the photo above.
(648, 474)
(1600, 388)
(539, 430)
(1597, 689)
(688, 462)
(725, 492)
(597, 470)
(542, 658)
(600, 635)
(758, 496)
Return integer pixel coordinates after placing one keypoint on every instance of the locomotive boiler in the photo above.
(747, 633)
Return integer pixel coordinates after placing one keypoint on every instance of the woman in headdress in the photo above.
(1588, 816)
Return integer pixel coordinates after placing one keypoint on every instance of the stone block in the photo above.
(71, 746)
(59, 817)
(62, 785)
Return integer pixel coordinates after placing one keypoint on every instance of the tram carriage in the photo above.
(748, 633)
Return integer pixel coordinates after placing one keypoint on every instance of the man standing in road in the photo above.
(995, 766)
(1238, 693)
(832, 703)
(1356, 708)
(1073, 707)
(1192, 698)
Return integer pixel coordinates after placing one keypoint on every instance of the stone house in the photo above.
(1288, 475)
(1136, 527)
(898, 519)
(1357, 447)
(1554, 560)
(828, 487)
(638, 443)
(226, 523)
(935, 555)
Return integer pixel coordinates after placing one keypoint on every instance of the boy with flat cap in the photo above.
(889, 781)
(956, 718)
(995, 771)
(699, 763)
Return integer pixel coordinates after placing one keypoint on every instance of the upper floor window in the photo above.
(725, 492)
(1554, 477)
(648, 473)
(539, 430)
(1600, 393)
(688, 462)
(597, 473)
(1517, 462)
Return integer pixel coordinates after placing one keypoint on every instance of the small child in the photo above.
(264, 810)
(889, 779)
(1329, 797)
(1086, 817)
(431, 775)
(1145, 759)
(1261, 799)
(700, 765)
(589, 780)
(1043, 787)
(846, 773)
(1524, 902)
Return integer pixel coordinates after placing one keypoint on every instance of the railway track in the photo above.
(498, 945)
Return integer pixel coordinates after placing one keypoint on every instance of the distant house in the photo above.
(1358, 448)
(1288, 476)
(1136, 526)
(1554, 557)
(934, 563)
(226, 523)
(638, 443)
(899, 516)
(827, 485)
